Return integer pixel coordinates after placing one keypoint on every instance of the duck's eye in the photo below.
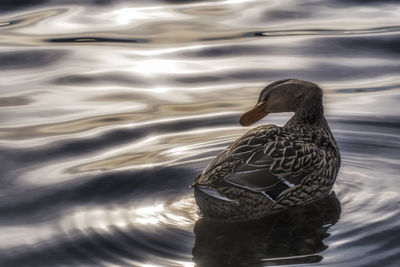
(263, 97)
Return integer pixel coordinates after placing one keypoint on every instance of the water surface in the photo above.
(109, 109)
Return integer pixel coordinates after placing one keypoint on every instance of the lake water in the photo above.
(109, 109)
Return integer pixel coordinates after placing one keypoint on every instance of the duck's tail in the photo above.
(210, 192)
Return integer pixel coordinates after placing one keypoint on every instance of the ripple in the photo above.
(119, 235)
(305, 32)
(29, 59)
(9, 23)
(12, 101)
(88, 39)
(111, 78)
(265, 241)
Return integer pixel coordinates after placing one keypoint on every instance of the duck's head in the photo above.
(290, 95)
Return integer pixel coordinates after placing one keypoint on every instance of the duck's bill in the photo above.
(254, 115)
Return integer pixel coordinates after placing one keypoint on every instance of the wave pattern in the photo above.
(109, 109)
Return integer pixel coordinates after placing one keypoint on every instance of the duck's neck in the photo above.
(309, 112)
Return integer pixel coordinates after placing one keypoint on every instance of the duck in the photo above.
(270, 168)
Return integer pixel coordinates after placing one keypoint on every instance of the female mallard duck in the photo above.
(271, 168)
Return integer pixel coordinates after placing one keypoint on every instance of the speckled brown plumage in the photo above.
(272, 168)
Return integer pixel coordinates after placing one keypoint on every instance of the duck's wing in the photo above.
(241, 149)
(275, 168)
(269, 163)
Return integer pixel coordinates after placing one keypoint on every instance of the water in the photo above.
(110, 108)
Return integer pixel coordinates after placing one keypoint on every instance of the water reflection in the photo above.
(29, 59)
(108, 109)
(290, 238)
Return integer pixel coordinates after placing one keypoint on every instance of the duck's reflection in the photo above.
(292, 237)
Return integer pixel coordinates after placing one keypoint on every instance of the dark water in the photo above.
(110, 108)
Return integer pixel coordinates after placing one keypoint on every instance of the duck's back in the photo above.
(239, 150)
(267, 168)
